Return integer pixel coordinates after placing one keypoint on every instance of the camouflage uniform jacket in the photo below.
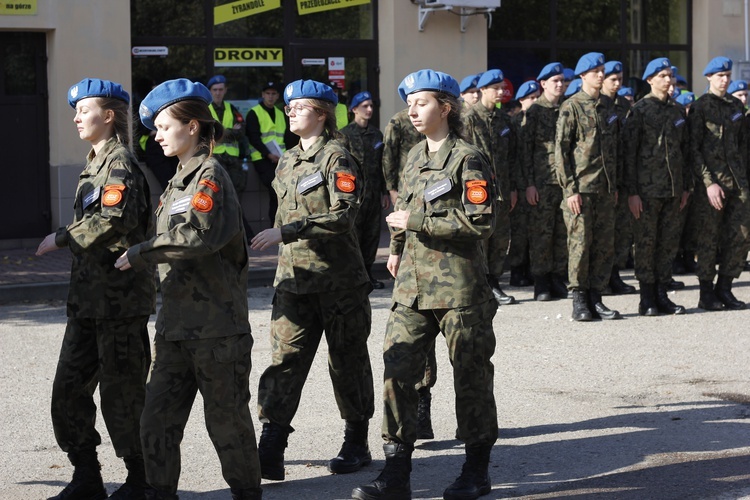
(492, 132)
(201, 252)
(366, 145)
(112, 212)
(450, 200)
(586, 145)
(400, 137)
(538, 138)
(622, 109)
(319, 193)
(718, 141)
(655, 147)
(519, 122)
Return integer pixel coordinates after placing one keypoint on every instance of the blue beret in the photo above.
(655, 66)
(588, 62)
(626, 92)
(489, 77)
(526, 89)
(685, 98)
(216, 79)
(550, 70)
(612, 67)
(309, 89)
(574, 87)
(427, 79)
(93, 87)
(736, 86)
(717, 64)
(470, 82)
(681, 79)
(359, 99)
(168, 93)
(569, 74)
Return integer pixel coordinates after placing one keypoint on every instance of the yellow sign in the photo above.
(18, 7)
(243, 8)
(313, 6)
(248, 57)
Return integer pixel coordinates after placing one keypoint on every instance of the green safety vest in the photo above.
(231, 148)
(269, 130)
(342, 116)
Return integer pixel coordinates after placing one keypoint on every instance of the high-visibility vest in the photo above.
(142, 140)
(269, 129)
(231, 148)
(342, 116)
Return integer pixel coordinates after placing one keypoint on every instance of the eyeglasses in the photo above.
(297, 109)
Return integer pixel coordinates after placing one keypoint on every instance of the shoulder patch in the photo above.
(345, 182)
(202, 202)
(210, 185)
(476, 191)
(111, 197)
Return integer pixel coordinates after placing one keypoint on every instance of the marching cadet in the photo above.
(569, 76)
(623, 218)
(469, 91)
(655, 148)
(106, 337)
(548, 240)
(445, 209)
(365, 142)
(321, 283)
(491, 130)
(686, 99)
(573, 88)
(203, 339)
(399, 137)
(586, 161)
(738, 89)
(718, 145)
(627, 93)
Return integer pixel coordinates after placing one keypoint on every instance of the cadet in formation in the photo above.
(656, 180)
(399, 137)
(106, 338)
(321, 283)
(586, 161)
(203, 339)
(469, 92)
(445, 210)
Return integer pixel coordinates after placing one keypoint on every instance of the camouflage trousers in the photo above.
(471, 342)
(548, 238)
(367, 228)
(590, 241)
(430, 369)
(723, 235)
(113, 353)
(623, 231)
(496, 246)
(297, 325)
(518, 253)
(220, 369)
(657, 237)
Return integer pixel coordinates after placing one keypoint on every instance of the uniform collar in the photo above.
(543, 101)
(309, 154)
(94, 161)
(181, 178)
(439, 159)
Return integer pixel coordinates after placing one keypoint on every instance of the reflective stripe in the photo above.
(227, 120)
(269, 130)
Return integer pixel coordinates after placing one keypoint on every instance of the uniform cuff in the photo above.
(415, 221)
(61, 237)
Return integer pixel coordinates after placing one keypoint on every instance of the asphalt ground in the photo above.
(640, 408)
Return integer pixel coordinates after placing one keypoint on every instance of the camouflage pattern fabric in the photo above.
(298, 323)
(657, 237)
(518, 251)
(220, 369)
(538, 160)
(623, 217)
(400, 136)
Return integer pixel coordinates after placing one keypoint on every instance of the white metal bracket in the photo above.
(465, 9)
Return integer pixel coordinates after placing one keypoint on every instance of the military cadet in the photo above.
(627, 93)
(548, 240)
(491, 130)
(445, 209)
(203, 339)
(518, 253)
(586, 161)
(265, 127)
(718, 145)
(568, 77)
(623, 218)
(655, 149)
(686, 99)
(365, 142)
(321, 284)
(469, 91)
(738, 89)
(573, 88)
(399, 137)
(106, 338)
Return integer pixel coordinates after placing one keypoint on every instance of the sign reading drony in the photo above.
(248, 57)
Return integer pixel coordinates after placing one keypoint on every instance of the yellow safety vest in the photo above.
(269, 129)
(342, 116)
(231, 148)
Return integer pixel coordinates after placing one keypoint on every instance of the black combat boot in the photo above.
(616, 285)
(598, 309)
(154, 494)
(135, 484)
(542, 288)
(393, 483)
(675, 285)
(500, 296)
(663, 303)
(273, 442)
(518, 276)
(246, 494)
(354, 453)
(474, 480)
(581, 311)
(647, 306)
(708, 300)
(87, 481)
(558, 287)
(424, 414)
(724, 293)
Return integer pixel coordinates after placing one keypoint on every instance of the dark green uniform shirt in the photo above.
(400, 136)
(366, 145)
(539, 140)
